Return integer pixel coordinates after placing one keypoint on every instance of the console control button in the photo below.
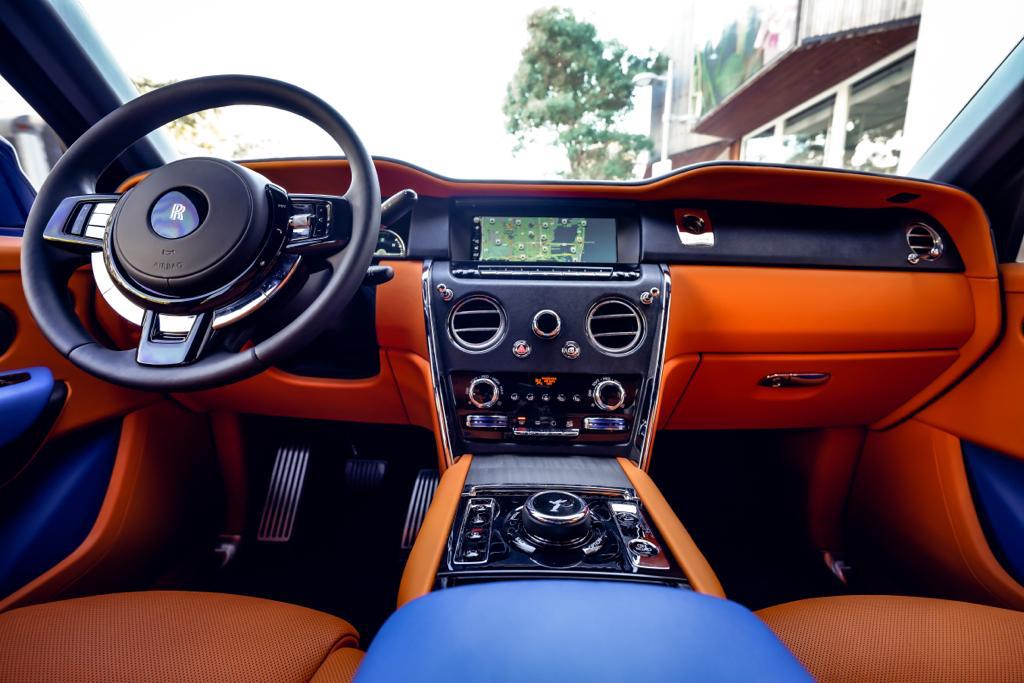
(609, 394)
(571, 350)
(520, 349)
(484, 391)
(643, 548)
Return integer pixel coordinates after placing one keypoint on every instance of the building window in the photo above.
(858, 124)
(760, 146)
(874, 129)
(805, 135)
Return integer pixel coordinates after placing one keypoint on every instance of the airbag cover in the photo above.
(191, 226)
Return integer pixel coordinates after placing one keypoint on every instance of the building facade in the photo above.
(819, 82)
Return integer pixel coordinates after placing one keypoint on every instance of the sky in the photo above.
(420, 81)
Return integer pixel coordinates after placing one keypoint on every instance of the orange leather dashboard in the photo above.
(891, 341)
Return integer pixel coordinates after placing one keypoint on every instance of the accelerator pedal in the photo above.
(282, 503)
(422, 493)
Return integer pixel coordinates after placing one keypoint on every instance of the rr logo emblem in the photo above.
(555, 504)
(177, 212)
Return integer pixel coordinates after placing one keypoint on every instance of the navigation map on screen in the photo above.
(540, 239)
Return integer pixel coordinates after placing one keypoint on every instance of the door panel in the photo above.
(986, 408)
(954, 525)
(90, 400)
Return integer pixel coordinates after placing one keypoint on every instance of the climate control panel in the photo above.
(512, 406)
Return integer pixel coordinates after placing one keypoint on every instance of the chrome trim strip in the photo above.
(254, 300)
(121, 304)
(657, 369)
(435, 374)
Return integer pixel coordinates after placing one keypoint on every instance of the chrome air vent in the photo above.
(476, 323)
(924, 242)
(615, 326)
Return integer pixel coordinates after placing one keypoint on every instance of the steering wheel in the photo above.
(197, 245)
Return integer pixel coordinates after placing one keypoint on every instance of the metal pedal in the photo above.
(282, 503)
(422, 494)
(362, 475)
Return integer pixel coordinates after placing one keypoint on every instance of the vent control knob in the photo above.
(484, 391)
(546, 324)
(609, 394)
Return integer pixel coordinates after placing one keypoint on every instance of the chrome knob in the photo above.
(556, 518)
(546, 324)
(484, 391)
(609, 394)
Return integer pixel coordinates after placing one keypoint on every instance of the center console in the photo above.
(546, 334)
(585, 522)
(546, 338)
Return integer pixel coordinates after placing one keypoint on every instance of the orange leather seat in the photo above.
(175, 636)
(886, 638)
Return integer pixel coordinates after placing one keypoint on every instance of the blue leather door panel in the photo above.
(48, 512)
(23, 396)
(997, 482)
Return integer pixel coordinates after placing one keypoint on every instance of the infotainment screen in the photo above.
(544, 239)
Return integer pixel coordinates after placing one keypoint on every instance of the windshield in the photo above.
(582, 90)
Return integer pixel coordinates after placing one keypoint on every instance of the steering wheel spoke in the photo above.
(172, 339)
(318, 224)
(79, 223)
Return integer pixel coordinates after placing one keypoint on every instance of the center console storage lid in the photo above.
(575, 631)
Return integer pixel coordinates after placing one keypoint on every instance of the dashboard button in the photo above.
(520, 349)
(571, 350)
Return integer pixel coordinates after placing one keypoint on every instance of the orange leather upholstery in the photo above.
(884, 638)
(175, 636)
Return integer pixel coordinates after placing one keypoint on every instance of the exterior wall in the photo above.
(825, 17)
(959, 44)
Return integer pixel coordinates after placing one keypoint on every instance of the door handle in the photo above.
(784, 380)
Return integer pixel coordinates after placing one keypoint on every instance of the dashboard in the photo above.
(584, 317)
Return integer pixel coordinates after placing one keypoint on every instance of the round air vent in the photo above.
(476, 323)
(924, 242)
(615, 326)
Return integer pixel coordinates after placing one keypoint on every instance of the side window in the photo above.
(28, 150)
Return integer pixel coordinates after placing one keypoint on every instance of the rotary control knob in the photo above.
(609, 394)
(546, 324)
(556, 519)
(484, 391)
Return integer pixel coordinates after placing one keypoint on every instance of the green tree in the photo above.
(577, 87)
(197, 133)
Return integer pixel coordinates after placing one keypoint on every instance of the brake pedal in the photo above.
(422, 495)
(364, 475)
(282, 503)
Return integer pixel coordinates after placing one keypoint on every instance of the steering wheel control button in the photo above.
(546, 324)
(177, 214)
(520, 349)
(571, 350)
(556, 518)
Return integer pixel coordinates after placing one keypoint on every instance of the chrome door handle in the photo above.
(784, 380)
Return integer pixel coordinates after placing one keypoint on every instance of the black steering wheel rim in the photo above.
(44, 269)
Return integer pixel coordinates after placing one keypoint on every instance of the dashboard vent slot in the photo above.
(924, 242)
(476, 323)
(615, 326)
